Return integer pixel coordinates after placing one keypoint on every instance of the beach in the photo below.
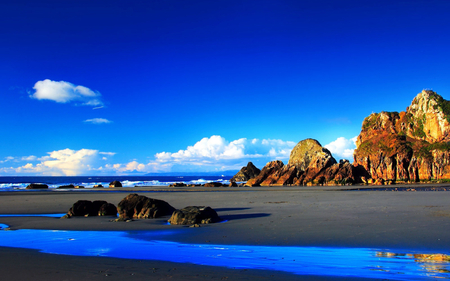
(324, 216)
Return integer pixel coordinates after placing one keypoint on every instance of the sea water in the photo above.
(156, 245)
(19, 183)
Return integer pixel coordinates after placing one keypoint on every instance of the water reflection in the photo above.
(149, 245)
(34, 215)
(432, 263)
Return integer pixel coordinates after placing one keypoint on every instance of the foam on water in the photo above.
(20, 183)
(147, 245)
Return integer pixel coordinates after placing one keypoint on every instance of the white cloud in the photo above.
(98, 121)
(64, 92)
(342, 147)
(29, 158)
(64, 162)
(208, 154)
(107, 153)
(218, 148)
(7, 159)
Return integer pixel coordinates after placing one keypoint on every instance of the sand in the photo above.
(279, 216)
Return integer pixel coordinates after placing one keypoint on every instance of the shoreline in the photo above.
(272, 216)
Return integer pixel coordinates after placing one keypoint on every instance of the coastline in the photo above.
(271, 216)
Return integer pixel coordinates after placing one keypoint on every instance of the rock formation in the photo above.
(407, 146)
(309, 164)
(194, 215)
(89, 208)
(115, 184)
(66, 186)
(37, 186)
(141, 207)
(213, 184)
(246, 173)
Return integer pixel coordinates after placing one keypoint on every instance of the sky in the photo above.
(151, 86)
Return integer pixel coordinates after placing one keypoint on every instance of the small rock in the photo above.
(37, 186)
(194, 215)
(115, 184)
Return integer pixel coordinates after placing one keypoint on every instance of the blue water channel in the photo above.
(152, 245)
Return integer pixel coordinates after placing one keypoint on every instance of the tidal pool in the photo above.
(152, 245)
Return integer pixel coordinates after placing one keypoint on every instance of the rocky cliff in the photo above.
(407, 146)
(246, 173)
(309, 164)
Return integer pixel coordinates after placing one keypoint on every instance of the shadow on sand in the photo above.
(230, 209)
(243, 216)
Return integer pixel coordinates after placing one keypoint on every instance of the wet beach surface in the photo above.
(414, 221)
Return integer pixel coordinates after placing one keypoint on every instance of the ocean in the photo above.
(18, 183)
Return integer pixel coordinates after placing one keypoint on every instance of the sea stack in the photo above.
(408, 146)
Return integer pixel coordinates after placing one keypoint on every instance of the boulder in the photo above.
(213, 184)
(107, 209)
(141, 207)
(246, 173)
(78, 186)
(98, 186)
(177, 184)
(67, 186)
(194, 215)
(37, 186)
(89, 208)
(115, 184)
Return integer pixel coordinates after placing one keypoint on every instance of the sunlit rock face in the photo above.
(407, 146)
(246, 173)
(309, 154)
(309, 164)
(266, 173)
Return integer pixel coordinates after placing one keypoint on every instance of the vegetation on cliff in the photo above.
(407, 146)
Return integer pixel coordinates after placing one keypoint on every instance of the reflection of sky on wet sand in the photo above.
(359, 262)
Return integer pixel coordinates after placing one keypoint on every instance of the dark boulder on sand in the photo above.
(194, 215)
(107, 209)
(115, 184)
(89, 208)
(213, 184)
(37, 186)
(66, 186)
(177, 184)
(141, 207)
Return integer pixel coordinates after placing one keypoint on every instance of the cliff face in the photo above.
(407, 146)
(246, 173)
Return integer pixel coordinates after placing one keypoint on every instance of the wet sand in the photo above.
(285, 216)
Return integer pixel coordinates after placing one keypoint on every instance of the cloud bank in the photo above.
(208, 154)
(65, 92)
(342, 147)
(217, 148)
(66, 162)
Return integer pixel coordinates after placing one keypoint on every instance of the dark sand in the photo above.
(288, 216)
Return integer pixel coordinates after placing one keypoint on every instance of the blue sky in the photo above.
(126, 87)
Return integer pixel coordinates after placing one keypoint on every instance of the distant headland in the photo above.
(405, 147)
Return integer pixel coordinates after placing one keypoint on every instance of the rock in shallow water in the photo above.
(194, 215)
